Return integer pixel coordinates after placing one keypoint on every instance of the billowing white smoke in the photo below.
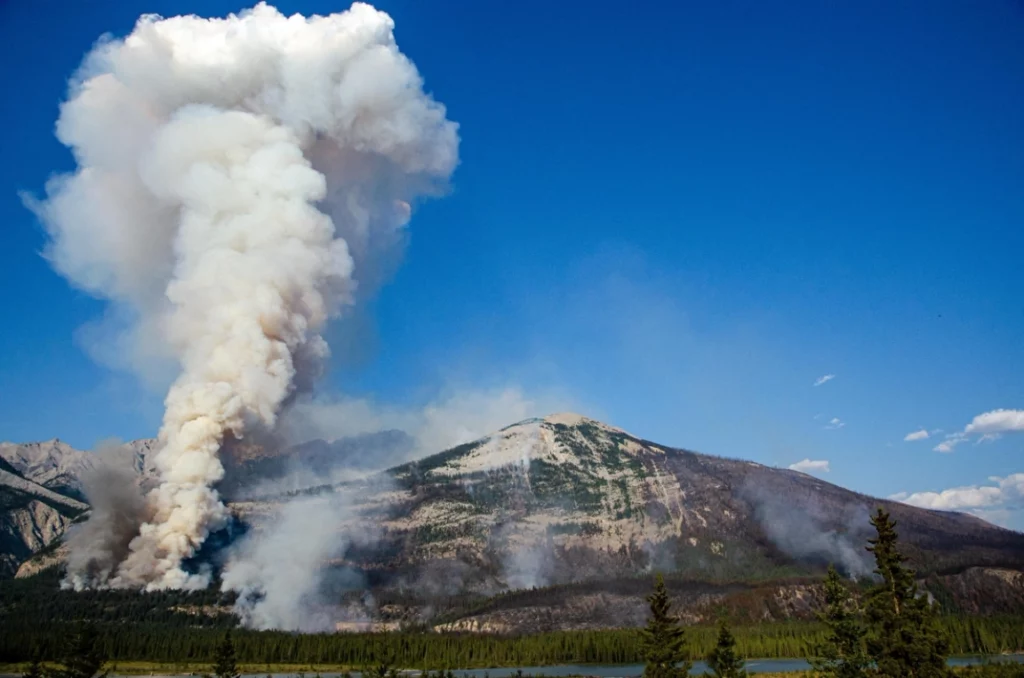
(235, 178)
(278, 571)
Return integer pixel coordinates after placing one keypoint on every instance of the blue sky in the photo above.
(673, 217)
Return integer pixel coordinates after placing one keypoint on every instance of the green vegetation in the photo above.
(83, 657)
(723, 660)
(139, 642)
(34, 670)
(898, 631)
(905, 638)
(662, 641)
(842, 654)
(224, 665)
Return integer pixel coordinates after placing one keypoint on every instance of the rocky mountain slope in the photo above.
(32, 517)
(565, 497)
(580, 509)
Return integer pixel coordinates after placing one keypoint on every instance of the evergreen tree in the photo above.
(224, 665)
(723, 660)
(842, 654)
(35, 669)
(661, 641)
(83, 656)
(905, 640)
(383, 664)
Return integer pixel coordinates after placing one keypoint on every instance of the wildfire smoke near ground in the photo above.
(236, 179)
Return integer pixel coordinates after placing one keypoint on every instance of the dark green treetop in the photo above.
(83, 655)
(723, 660)
(661, 641)
(224, 665)
(904, 640)
(842, 654)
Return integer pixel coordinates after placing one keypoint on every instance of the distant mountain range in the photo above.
(563, 502)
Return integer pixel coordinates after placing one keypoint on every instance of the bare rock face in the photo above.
(981, 590)
(42, 560)
(27, 529)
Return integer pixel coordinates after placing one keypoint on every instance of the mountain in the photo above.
(618, 503)
(32, 516)
(580, 513)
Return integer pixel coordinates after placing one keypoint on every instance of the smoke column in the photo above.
(235, 178)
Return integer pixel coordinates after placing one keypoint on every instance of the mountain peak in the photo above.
(558, 439)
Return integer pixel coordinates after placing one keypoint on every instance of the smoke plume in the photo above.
(97, 546)
(236, 177)
(801, 529)
(279, 571)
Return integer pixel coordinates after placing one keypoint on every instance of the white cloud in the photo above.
(951, 441)
(997, 421)
(998, 496)
(916, 435)
(811, 466)
(824, 379)
(989, 426)
(835, 422)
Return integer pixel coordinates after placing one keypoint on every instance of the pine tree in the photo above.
(35, 669)
(723, 659)
(224, 663)
(83, 657)
(842, 654)
(661, 641)
(905, 640)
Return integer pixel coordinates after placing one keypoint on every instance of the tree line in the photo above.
(896, 631)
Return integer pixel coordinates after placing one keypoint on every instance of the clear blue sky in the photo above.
(678, 215)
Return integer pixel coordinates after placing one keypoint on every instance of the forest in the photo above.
(189, 627)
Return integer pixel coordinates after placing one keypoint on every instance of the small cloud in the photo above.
(916, 435)
(952, 440)
(824, 379)
(834, 423)
(988, 426)
(997, 421)
(1003, 493)
(811, 466)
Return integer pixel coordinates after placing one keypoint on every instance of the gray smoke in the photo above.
(279, 570)
(97, 546)
(802, 530)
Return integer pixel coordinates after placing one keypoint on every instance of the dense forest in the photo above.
(125, 641)
(176, 627)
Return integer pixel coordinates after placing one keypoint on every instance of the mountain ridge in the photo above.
(568, 501)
